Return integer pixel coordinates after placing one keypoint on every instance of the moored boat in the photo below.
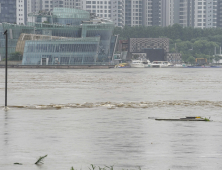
(123, 65)
(160, 64)
(140, 63)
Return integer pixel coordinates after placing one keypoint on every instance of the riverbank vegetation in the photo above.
(190, 42)
(16, 56)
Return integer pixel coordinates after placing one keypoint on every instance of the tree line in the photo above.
(190, 42)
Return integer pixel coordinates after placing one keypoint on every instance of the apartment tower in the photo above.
(13, 11)
(107, 9)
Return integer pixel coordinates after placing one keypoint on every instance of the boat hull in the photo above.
(139, 65)
(159, 66)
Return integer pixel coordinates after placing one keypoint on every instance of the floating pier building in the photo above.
(64, 36)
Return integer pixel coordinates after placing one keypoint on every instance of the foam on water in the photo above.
(113, 105)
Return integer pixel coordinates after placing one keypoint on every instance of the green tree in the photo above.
(135, 56)
(210, 59)
(191, 60)
(217, 58)
(195, 42)
(16, 56)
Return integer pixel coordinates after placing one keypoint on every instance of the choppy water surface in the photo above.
(83, 117)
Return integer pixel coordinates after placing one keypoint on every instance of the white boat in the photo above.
(140, 63)
(160, 64)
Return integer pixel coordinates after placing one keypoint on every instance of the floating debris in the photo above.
(188, 118)
(40, 160)
(18, 163)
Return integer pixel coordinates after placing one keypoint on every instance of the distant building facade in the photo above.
(156, 49)
(109, 9)
(48, 5)
(187, 13)
(122, 45)
(205, 13)
(174, 58)
(13, 11)
(134, 12)
(219, 14)
(64, 37)
(139, 44)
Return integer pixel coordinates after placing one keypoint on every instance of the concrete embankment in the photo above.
(60, 66)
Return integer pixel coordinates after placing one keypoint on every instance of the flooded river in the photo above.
(100, 117)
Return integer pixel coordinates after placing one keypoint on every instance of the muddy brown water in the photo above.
(100, 117)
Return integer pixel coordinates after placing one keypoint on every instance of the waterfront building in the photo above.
(174, 58)
(139, 44)
(154, 49)
(63, 36)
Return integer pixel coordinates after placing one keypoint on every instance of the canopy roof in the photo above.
(63, 13)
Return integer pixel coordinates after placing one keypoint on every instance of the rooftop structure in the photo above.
(63, 36)
(64, 16)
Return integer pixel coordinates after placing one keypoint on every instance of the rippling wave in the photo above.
(113, 105)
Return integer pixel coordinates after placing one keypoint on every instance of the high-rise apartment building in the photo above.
(13, 11)
(39, 5)
(8, 11)
(108, 9)
(154, 12)
(219, 14)
(157, 10)
(205, 13)
(187, 13)
(67, 3)
(48, 5)
(147, 13)
(169, 14)
(174, 11)
(134, 12)
(117, 12)
(192, 13)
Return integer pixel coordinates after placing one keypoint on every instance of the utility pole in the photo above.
(6, 65)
